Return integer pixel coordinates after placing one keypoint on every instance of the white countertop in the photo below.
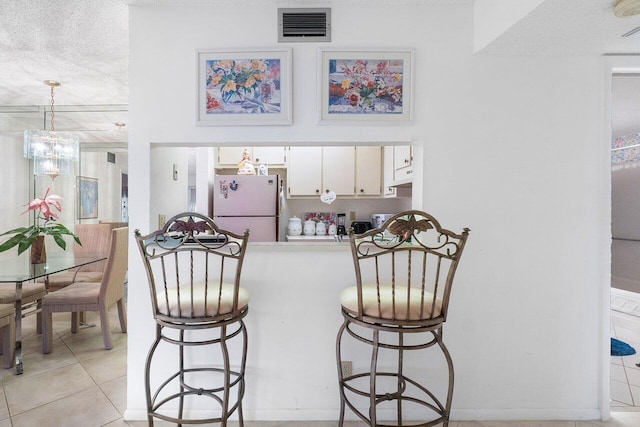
(309, 239)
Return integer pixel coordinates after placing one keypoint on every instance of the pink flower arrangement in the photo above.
(24, 236)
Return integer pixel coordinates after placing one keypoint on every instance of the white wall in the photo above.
(493, 17)
(13, 197)
(511, 148)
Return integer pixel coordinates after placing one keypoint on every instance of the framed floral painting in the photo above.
(244, 87)
(365, 85)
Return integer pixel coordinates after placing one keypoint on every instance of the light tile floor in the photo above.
(625, 373)
(82, 385)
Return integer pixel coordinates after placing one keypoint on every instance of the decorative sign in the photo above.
(328, 197)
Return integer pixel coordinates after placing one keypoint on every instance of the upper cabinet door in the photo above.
(304, 175)
(403, 164)
(270, 155)
(338, 172)
(368, 171)
(402, 156)
(231, 155)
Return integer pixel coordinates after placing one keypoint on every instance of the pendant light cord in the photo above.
(52, 112)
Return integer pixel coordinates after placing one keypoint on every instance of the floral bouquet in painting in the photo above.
(45, 224)
(243, 86)
(363, 86)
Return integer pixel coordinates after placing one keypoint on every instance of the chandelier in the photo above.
(53, 153)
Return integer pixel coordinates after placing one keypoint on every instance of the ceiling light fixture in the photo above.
(624, 8)
(53, 153)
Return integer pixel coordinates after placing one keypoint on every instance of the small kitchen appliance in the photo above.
(360, 227)
(341, 220)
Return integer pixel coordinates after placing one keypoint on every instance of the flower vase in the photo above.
(38, 251)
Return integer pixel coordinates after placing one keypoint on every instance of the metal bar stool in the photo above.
(193, 268)
(404, 272)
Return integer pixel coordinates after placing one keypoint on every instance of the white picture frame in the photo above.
(373, 86)
(243, 87)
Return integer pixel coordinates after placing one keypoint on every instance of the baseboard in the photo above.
(456, 415)
(525, 414)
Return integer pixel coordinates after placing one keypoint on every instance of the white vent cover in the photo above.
(304, 25)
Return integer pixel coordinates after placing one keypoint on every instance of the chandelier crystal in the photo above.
(53, 153)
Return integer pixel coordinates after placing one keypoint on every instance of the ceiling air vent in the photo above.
(304, 25)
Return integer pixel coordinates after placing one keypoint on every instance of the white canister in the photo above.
(309, 228)
(294, 227)
(321, 228)
(333, 230)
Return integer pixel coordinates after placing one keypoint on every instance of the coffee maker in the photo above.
(341, 221)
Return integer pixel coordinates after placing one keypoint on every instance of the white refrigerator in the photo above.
(247, 201)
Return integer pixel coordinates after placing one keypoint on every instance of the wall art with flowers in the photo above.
(365, 85)
(244, 87)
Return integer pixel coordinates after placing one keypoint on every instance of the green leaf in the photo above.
(15, 230)
(11, 242)
(60, 241)
(25, 244)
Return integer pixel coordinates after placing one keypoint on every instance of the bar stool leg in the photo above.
(372, 378)
(340, 375)
(400, 378)
(181, 401)
(242, 369)
(447, 356)
(147, 374)
(227, 375)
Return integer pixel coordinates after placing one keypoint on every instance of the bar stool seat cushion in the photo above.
(349, 300)
(199, 303)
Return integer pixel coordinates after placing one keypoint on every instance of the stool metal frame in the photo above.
(193, 268)
(404, 272)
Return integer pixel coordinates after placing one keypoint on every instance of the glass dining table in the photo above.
(19, 270)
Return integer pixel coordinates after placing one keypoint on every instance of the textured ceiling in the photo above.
(569, 27)
(84, 45)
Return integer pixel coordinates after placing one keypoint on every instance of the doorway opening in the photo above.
(624, 301)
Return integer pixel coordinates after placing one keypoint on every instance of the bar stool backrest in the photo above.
(193, 268)
(405, 269)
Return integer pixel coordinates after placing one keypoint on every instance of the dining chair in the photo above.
(193, 269)
(92, 296)
(404, 272)
(95, 239)
(30, 303)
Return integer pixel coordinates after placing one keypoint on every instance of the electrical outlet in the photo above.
(347, 368)
(352, 216)
(162, 220)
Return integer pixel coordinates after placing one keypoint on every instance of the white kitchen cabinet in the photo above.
(304, 173)
(229, 157)
(338, 170)
(368, 170)
(402, 164)
(389, 189)
(273, 156)
(314, 170)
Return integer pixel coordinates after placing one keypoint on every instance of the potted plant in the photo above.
(33, 236)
